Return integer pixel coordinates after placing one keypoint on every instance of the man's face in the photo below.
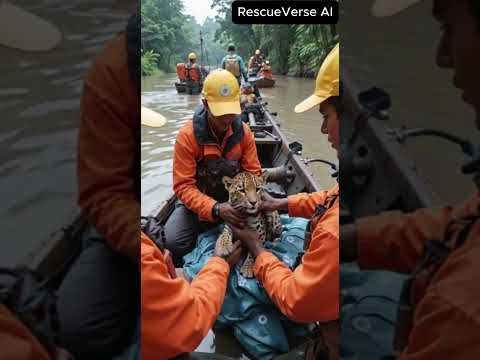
(219, 124)
(459, 48)
(330, 124)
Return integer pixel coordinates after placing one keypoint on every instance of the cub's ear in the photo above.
(227, 181)
(264, 177)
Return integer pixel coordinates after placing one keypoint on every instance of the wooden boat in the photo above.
(188, 87)
(181, 86)
(262, 81)
(288, 174)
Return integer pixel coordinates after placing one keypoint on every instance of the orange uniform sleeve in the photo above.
(16, 341)
(432, 336)
(303, 204)
(394, 240)
(250, 160)
(176, 315)
(106, 150)
(185, 180)
(311, 292)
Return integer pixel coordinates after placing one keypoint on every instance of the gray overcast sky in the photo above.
(200, 9)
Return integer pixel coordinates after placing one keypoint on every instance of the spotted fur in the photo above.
(245, 195)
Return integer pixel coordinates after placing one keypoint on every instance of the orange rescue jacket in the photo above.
(176, 315)
(311, 292)
(16, 341)
(107, 147)
(195, 142)
(394, 241)
(193, 72)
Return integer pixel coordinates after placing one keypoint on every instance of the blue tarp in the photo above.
(247, 309)
(369, 301)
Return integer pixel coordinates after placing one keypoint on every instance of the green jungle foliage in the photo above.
(168, 35)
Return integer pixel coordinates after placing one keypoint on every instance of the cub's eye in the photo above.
(241, 191)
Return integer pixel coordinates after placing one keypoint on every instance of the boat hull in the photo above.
(262, 82)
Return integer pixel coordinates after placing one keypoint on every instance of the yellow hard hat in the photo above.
(152, 118)
(383, 8)
(222, 93)
(327, 83)
(257, 52)
(192, 56)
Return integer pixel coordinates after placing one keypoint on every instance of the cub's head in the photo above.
(245, 191)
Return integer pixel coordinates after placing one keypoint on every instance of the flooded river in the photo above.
(158, 93)
(39, 107)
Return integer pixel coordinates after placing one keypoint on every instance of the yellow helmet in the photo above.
(222, 93)
(192, 56)
(327, 83)
(257, 52)
(383, 8)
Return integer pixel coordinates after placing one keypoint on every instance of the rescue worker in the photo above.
(310, 293)
(266, 70)
(255, 63)
(98, 302)
(192, 69)
(235, 64)
(176, 315)
(440, 314)
(215, 143)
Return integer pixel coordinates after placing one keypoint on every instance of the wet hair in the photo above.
(231, 48)
(336, 102)
(133, 36)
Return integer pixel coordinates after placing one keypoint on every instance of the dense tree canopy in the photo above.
(168, 35)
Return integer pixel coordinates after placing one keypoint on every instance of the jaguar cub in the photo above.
(245, 195)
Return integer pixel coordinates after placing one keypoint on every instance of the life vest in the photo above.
(266, 71)
(255, 63)
(320, 210)
(193, 72)
(232, 64)
(181, 72)
(211, 171)
(436, 253)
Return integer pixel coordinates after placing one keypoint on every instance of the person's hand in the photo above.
(269, 203)
(231, 257)
(249, 238)
(230, 215)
